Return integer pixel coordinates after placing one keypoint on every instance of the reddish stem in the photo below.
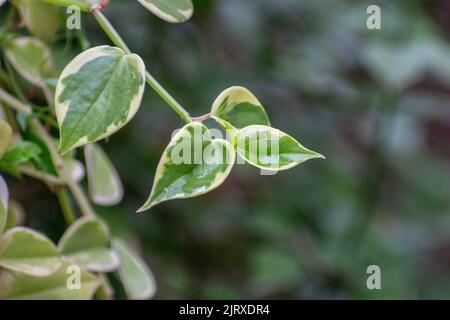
(100, 6)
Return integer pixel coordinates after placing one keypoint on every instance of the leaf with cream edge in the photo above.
(87, 242)
(271, 149)
(34, 13)
(4, 198)
(17, 286)
(105, 187)
(31, 58)
(138, 280)
(26, 251)
(174, 11)
(238, 107)
(6, 135)
(98, 92)
(192, 164)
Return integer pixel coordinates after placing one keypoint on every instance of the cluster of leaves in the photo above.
(33, 267)
(94, 96)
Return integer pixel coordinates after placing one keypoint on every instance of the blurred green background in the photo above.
(374, 102)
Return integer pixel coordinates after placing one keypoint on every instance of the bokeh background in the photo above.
(374, 102)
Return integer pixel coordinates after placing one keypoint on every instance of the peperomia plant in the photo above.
(95, 95)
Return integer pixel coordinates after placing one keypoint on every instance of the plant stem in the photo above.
(152, 82)
(13, 102)
(66, 206)
(80, 197)
(50, 180)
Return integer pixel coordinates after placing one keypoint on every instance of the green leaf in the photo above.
(18, 154)
(240, 108)
(191, 165)
(137, 278)
(26, 251)
(4, 197)
(105, 187)
(6, 134)
(271, 149)
(55, 287)
(31, 58)
(34, 13)
(97, 93)
(174, 11)
(87, 242)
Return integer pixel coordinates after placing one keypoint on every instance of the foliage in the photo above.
(89, 99)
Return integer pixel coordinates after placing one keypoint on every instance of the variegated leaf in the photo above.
(87, 242)
(58, 286)
(174, 11)
(41, 19)
(191, 165)
(31, 58)
(271, 149)
(105, 187)
(26, 251)
(137, 278)
(97, 93)
(238, 107)
(6, 134)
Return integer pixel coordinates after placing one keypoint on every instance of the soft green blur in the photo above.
(376, 103)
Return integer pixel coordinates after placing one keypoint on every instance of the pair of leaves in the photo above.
(253, 139)
(174, 11)
(262, 146)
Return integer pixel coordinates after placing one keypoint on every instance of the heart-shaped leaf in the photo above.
(105, 187)
(6, 134)
(174, 11)
(26, 251)
(87, 242)
(238, 107)
(31, 58)
(137, 278)
(34, 13)
(271, 149)
(58, 286)
(97, 93)
(191, 165)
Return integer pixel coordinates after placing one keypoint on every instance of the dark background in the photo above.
(374, 102)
